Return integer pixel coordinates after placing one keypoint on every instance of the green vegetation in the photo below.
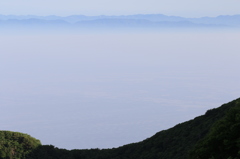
(14, 145)
(223, 141)
(214, 135)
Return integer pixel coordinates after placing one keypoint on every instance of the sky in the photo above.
(185, 8)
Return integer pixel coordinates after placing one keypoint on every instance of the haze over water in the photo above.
(104, 90)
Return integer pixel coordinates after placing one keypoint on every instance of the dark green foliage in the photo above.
(49, 152)
(223, 141)
(214, 135)
(14, 145)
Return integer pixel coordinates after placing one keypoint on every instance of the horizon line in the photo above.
(117, 15)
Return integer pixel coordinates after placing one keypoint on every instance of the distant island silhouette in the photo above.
(138, 20)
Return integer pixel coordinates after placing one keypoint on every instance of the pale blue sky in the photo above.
(186, 8)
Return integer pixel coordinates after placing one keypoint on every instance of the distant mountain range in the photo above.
(139, 20)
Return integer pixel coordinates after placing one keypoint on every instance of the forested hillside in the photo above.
(214, 135)
(223, 140)
(14, 145)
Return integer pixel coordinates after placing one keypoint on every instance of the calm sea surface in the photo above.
(104, 90)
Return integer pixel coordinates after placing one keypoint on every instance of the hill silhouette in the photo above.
(214, 135)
